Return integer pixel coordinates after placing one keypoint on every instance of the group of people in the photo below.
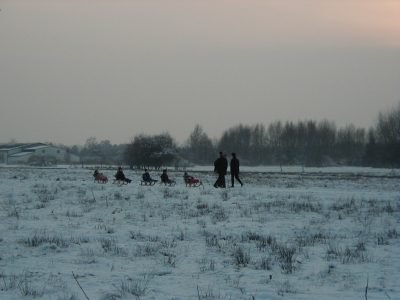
(146, 176)
(164, 177)
(221, 167)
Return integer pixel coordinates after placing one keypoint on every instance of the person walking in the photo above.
(220, 167)
(235, 170)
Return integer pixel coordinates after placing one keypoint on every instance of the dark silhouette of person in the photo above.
(220, 167)
(146, 176)
(164, 177)
(235, 170)
(121, 176)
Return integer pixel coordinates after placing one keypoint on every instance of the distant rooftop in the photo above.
(10, 146)
(36, 147)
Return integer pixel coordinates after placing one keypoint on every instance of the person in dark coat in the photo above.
(146, 176)
(220, 167)
(121, 176)
(164, 177)
(235, 170)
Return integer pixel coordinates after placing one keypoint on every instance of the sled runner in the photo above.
(148, 182)
(169, 183)
(119, 182)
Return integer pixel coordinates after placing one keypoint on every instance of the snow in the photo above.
(37, 147)
(338, 227)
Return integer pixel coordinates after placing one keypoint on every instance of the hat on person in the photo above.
(233, 154)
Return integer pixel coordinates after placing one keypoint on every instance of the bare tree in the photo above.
(258, 143)
(350, 145)
(387, 130)
(274, 134)
(372, 150)
(387, 125)
(237, 139)
(200, 146)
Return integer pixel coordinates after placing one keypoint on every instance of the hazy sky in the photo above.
(70, 70)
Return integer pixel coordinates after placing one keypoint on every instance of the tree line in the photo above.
(308, 143)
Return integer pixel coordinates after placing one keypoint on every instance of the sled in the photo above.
(119, 182)
(100, 178)
(193, 183)
(172, 183)
(148, 182)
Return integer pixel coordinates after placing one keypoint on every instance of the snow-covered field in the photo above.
(320, 234)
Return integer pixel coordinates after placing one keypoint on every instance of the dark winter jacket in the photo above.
(120, 175)
(146, 176)
(221, 165)
(164, 177)
(234, 166)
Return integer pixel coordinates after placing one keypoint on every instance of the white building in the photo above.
(20, 153)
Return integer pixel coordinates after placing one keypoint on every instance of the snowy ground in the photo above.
(319, 234)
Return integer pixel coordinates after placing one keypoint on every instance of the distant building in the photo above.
(15, 153)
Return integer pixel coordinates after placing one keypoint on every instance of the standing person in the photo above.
(235, 170)
(220, 167)
(121, 176)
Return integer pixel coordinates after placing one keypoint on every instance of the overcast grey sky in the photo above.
(70, 70)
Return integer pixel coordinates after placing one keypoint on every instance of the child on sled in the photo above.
(99, 177)
(146, 176)
(189, 179)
